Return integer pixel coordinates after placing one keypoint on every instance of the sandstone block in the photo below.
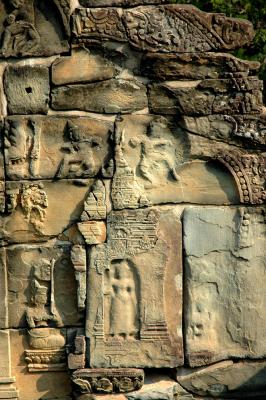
(112, 96)
(227, 379)
(56, 147)
(147, 263)
(250, 128)
(82, 66)
(159, 386)
(152, 153)
(225, 260)
(98, 25)
(206, 97)
(37, 384)
(27, 89)
(195, 66)
(49, 270)
(35, 214)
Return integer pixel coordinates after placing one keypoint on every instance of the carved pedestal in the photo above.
(114, 380)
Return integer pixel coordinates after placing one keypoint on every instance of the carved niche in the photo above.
(129, 321)
(29, 27)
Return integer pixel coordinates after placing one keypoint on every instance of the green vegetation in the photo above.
(254, 11)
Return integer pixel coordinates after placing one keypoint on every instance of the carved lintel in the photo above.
(113, 380)
(184, 28)
(98, 25)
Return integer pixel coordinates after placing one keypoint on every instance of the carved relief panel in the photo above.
(28, 27)
(131, 279)
(52, 147)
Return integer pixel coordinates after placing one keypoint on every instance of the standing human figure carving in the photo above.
(123, 310)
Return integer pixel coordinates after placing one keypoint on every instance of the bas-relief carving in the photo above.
(130, 274)
(171, 28)
(24, 23)
(35, 214)
(107, 380)
(48, 147)
(152, 153)
(125, 267)
(228, 128)
(42, 289)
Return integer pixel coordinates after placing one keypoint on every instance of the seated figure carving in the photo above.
(43, 319)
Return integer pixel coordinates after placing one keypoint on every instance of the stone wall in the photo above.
(132, 200)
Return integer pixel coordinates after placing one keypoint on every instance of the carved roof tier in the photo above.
(163, 28)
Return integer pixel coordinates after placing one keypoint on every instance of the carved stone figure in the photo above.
(34, 204)
(39, 314)
(123, 309)
(79, 159)
(155, 153)
(20, 35)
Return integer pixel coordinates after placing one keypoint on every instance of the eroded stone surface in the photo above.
(204, 32)
(27, 89)
(195, 66)
(225, 260)
(35, 214)
(225, 96)
(227, 379)
(115, 3)
(82, 66)
(112, 96)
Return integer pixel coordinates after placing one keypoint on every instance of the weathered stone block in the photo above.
(136, 275)
(56, 147)
(160, 386)
(227, 379)
(225, 262)
(195, 66)
(152, 154)
(82, 66)
(41, 286)
(35, 212)
(228, 128)
(225, 96)
(27, 89)
(111, 96)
